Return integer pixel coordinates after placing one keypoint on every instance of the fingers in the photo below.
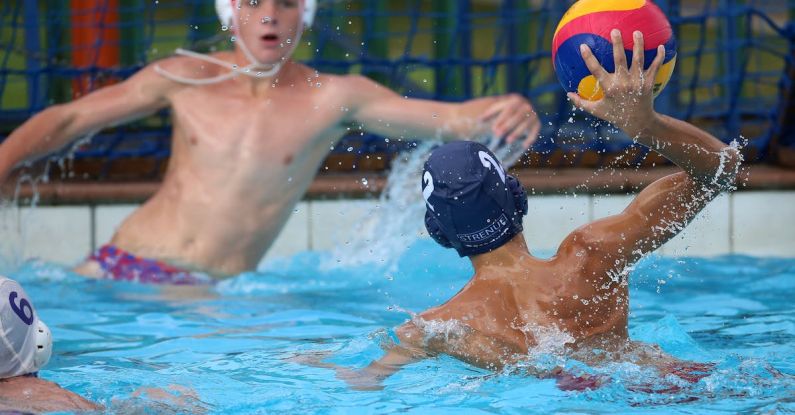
(592, 63)
(513, 117)
(532, 134)
(517, 127)
(581, 103)
(505, 122)
(619, 55)
(651, 74)
(524, 124)
(491, 112)
(513, 111)
(638, 55)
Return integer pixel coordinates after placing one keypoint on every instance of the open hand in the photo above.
(512, 118)
(628, 100)
(361, 379)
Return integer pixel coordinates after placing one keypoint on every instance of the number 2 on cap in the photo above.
(428, 190)
(488, 161)
(23, 309)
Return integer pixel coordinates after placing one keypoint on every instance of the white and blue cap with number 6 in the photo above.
(25, 341)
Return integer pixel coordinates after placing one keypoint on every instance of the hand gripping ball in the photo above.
(590, 22)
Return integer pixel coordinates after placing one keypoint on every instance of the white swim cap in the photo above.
(25, 341)
(226, 12)
(255, 68)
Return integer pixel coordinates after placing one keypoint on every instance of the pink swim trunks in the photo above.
(120, 265)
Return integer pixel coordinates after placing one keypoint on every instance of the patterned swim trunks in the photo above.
(120, 265)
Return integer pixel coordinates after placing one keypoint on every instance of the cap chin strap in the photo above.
(254, 69)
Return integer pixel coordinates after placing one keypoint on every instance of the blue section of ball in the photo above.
(570, 67)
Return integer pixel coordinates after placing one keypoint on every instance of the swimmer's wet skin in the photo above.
(251, 128)
(474, 207)
(25, 348)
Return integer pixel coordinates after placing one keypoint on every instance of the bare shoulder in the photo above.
(585, 244)
(190, 67)
(357, 88)
(39, 395)
(158, 76)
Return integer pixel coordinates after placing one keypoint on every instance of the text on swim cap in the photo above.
(487, 160)
(495, 229)
(23, 310)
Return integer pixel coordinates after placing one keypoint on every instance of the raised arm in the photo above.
(380, 110)
(54, 128)
(665, 207)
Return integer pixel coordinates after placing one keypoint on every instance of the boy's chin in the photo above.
(270, 60)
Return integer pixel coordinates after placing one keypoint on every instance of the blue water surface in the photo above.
(233, 350)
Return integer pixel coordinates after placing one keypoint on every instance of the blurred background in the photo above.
(734, 74)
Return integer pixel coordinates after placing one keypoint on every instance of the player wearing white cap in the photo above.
(251, 128)
(25, 347)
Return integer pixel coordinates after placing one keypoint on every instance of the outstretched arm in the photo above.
(665, 207)
(371, 376)
(59, 125)
(382, 111)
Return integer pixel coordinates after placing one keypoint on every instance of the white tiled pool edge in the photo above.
(753, 223)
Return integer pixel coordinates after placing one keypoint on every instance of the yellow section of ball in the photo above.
(663, 76)
(590, 89)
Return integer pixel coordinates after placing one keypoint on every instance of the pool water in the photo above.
(233, 350)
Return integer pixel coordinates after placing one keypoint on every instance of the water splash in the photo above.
(396, 221)
(17, 214)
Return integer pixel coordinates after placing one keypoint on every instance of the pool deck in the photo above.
(759, 219)
(351, 185)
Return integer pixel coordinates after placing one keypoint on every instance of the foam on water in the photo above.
(233, 349)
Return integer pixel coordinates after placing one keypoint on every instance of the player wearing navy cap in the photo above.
(581, 292)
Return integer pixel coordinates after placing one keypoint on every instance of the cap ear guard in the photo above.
(519, 195)
(43, 346)
(435, 231)
(310, 9)
(225, 12)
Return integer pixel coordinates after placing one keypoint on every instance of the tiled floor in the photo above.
(551, 218)
(754, 223)
(58, 234)
(763, 223)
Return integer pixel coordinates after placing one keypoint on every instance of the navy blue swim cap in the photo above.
(472, 205)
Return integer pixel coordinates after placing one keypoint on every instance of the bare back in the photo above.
(580, 295)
